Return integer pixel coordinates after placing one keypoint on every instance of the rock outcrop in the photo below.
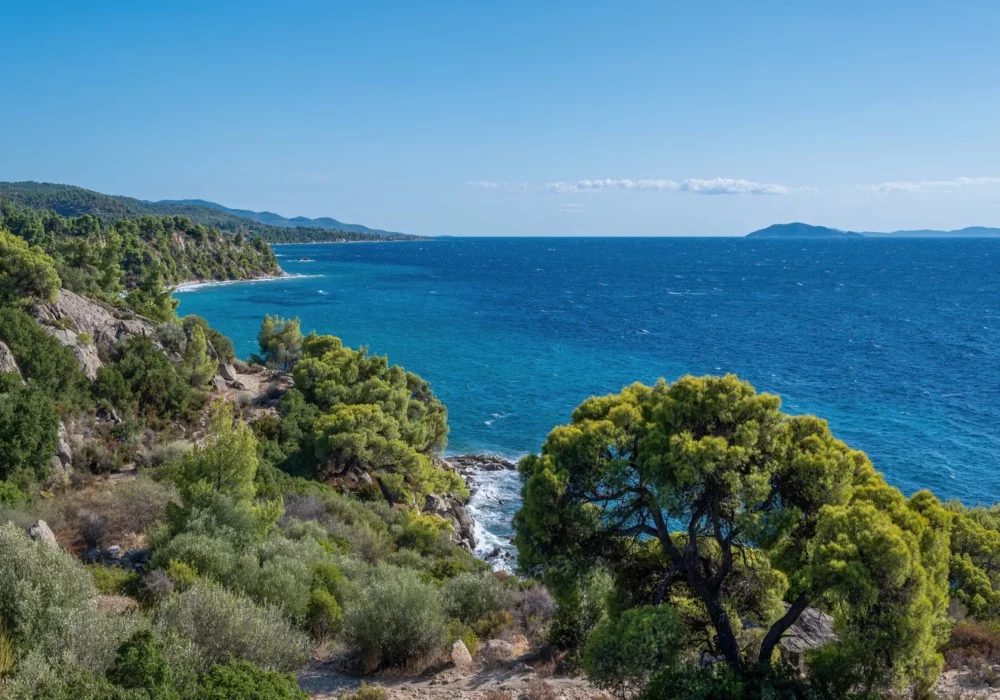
(7, 362)
(72, 315)
(460, 656)
(41, 532)
(63, 451)
(812, 630)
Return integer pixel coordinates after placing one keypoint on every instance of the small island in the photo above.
(800, 230)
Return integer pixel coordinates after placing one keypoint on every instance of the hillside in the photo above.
(800, 230)
(69, 200)
(272, 219)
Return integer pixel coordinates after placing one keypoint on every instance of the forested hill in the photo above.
(105, 258)
(69, 200)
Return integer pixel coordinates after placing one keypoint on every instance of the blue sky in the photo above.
(600, 118)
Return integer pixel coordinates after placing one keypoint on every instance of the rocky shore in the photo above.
(455, 509)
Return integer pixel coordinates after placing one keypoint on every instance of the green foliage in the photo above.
(224, 626)
(471, 596)
(280, 341)
(197, 366)
(227, 463)
(240, 679)
(813, 520)
(373, 418)
(27, 274)
(393, 618)
(42, 359)
(114, 580)
(153, 386)
(723, 683)
(366, 692)
(219, 346)
(624, 653)
(140, 665)
(29, 429)
(11, 496)
(150, 297)
(324, 615)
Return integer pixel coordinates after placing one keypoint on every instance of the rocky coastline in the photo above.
(455, 509)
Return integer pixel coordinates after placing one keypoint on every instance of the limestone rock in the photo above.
(218, 383)
(227, 372)
(498, 651)
(63, 450)
(41, 532)
(520, 643)
(460, 655)
(812, 630)
(7, 362)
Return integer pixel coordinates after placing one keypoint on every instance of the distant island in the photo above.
(69, 200)
(800, 230)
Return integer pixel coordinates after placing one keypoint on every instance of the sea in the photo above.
(895, 342)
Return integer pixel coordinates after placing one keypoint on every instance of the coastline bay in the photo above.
(896, 343)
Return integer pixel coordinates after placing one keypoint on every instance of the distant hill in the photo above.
(800, 230)
(69, 200)
(272, 219)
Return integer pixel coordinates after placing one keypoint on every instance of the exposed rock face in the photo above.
(219, 383)
(63, 450)
(498, 651)
(227, 372)
(41, 532)
(453, 509)
(465, 464)
(812, 630)
(460, 655)
(7, 362)
(71, 314)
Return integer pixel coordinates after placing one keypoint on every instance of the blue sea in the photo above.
(895, 342)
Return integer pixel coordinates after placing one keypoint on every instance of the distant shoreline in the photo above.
(394, 240)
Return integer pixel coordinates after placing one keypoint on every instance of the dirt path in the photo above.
(322, 682)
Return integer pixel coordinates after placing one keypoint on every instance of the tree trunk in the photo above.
(728, 644)
(779, 628)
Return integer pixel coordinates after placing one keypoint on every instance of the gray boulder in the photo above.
(498, 651)
(41, 532)
(813, 629)
(219, 383)
(63, 450)
(7, 362)
(227, 371)
(460, 656)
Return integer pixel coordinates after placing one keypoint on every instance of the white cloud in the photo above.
(923, 185)
(719, 185)
(486, 184)
(572, 208)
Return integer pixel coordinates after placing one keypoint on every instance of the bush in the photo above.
(242, 680)
(394, 619)
(622, 654)
(114, 580)
(324, 614)
(29, 429)
(11, 495)
(139, 664)
(92, 528)
(225, 626)
(972, 641)
(366, 692)
(42, 358)
(470, 597)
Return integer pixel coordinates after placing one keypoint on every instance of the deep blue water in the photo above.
(897, 343)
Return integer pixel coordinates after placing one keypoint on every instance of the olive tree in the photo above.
(703, 495)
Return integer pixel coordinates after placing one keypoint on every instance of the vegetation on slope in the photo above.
(71, 201)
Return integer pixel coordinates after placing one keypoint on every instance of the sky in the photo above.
(575, 118)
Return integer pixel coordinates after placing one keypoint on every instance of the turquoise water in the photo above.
(897, 343)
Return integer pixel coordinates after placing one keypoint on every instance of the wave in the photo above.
(194, 286)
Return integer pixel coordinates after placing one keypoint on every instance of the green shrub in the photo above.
(114, 580)
(470, 597)
(722, 683)
(243, 680)
(139, 664)
(394, 618)
(622, 654)
(366, 692)
(11, 495)
(182, 575)
(29, 429)
(225, 626)
(324, 616)
(42, 358)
